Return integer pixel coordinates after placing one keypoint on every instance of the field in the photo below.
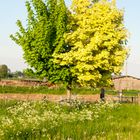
(72, 120)
(75, 120)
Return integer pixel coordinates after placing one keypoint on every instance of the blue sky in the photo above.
(11, 54)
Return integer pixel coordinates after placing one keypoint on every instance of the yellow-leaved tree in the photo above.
(97, 37)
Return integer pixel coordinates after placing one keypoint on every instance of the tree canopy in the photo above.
(97, 37)
(43, 36)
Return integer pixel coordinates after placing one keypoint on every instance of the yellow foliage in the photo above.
(98, 39)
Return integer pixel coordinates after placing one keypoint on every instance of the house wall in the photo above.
(129, 83)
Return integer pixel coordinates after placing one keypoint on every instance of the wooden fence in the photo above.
(127, 99)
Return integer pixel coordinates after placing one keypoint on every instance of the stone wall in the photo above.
(26, 83)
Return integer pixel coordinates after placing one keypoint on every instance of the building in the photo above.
(126, 82)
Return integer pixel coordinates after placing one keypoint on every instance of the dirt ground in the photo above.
(55, 98)
(58, 98)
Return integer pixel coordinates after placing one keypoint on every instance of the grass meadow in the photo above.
(75, 120)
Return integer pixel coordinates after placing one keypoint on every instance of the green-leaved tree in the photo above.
(43, 37)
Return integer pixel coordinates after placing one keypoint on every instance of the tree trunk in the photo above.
(69, 92)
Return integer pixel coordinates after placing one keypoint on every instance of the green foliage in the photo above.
(4, 71)
(43, 36)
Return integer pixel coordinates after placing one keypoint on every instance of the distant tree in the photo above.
(17, 74)
(3, 71)
(97, 37)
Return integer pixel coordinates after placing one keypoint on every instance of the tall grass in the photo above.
(42, 120)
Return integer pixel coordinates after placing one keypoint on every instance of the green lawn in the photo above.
(62, 90)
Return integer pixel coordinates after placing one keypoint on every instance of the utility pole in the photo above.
(126, 68)
(126, 63)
